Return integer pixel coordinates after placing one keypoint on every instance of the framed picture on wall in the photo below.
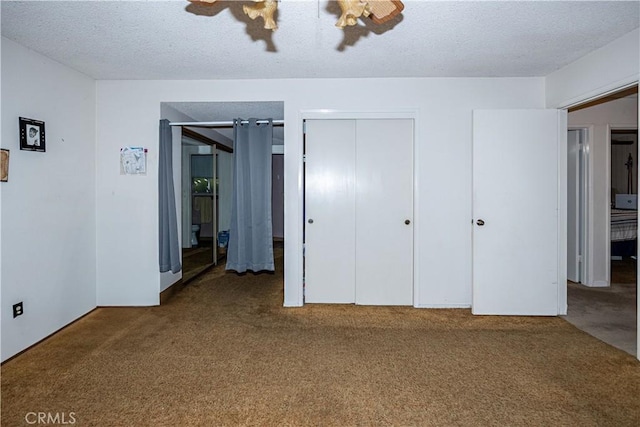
(32, 137)
(4, 165)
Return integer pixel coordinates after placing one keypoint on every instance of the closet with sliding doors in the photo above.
(358, 225)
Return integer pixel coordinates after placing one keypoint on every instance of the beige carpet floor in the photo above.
(224, 352)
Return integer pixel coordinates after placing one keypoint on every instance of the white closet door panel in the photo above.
(330, 211)
(384, 202)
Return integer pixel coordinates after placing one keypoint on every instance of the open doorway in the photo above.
(624, 206)
(207, 177)
(602, 291)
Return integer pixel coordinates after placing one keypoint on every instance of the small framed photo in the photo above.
(4, 165)
(32, 137)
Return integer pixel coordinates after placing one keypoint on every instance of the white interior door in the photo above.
(573, 206)
(384, 212)
(519, 243)
(330, 211)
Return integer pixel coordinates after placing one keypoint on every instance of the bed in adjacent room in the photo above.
(624, 230)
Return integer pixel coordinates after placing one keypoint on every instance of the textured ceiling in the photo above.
(179, 40)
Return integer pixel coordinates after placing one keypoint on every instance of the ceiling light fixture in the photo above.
(380, 11)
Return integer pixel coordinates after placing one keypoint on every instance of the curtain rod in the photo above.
(222, 124)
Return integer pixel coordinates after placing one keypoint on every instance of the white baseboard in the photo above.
(597, 284)
(288, 304)
(442, 305)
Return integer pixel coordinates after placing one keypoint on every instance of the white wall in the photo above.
(606, 69)
(48, 205)
(599, 119)
(127, 208)
(619, 170)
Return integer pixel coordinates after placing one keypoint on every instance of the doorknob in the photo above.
(406, 221)
(480, 222)
(310, 221)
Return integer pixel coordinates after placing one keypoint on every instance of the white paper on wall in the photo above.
(133, 161)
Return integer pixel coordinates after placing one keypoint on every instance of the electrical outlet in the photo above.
(17, 309)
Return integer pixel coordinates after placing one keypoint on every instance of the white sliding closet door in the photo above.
(330, 211)
(384, 212)
(359, 211)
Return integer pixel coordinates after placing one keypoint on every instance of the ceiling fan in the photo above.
(380, 11)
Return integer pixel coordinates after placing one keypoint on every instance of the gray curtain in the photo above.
(168, 232)
(250, 237)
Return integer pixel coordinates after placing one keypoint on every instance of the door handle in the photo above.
(406, 221)
(480, 222)
(310, 221)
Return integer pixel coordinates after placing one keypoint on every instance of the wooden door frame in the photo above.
(411, 114)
